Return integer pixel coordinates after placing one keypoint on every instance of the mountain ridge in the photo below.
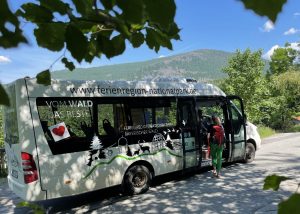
(202, 65)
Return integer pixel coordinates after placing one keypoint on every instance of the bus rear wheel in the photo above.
(250, 153)
(137, 180)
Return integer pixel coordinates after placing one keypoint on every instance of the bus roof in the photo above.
(119, 88)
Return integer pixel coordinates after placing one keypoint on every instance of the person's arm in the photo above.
(208, 138)
(208, 144)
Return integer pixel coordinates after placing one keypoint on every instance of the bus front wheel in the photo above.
(250, 153)
(137, 180)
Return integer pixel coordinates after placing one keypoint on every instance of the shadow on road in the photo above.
(238, 191)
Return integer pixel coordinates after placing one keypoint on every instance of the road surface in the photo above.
(238, 191)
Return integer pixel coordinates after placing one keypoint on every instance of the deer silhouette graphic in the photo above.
(144, 148)
(137, 152)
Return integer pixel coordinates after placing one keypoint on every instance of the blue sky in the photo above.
(206, 24)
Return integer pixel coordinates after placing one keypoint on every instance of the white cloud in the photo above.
(4, 59)
(267, 56)
(161, 56)
(268, 26)
(291, 31)
(295, 45)
(297, 14)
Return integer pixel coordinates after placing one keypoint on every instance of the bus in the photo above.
(72, 136)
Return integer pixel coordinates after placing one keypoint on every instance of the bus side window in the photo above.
(166, 115)
(236, 120)
(67, 124)
(120, 117)
(138, 117)
(74, 118)
(106, 124)
(187, 117)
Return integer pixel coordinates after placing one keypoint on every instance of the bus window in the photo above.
(137, 116)
(166, 115)
(237, 121)
(105, 119)
(141, 116)
(120, 117)
(67, 123)
(11, 134)
(148, 116)
(161, 112)
(187, 116)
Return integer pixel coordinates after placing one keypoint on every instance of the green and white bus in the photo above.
(77, 136)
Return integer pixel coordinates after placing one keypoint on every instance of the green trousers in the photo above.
(216, 154)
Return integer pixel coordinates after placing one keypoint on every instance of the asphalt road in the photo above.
(238, 191)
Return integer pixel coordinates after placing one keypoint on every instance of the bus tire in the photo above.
(137, 180)
(250, 153)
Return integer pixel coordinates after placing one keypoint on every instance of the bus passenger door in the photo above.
(187, 124)
(238, 128)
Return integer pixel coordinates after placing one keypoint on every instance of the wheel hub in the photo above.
(139, 180)
(249, 153)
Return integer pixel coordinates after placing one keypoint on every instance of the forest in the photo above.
(272, 98)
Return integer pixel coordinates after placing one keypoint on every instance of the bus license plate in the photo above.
(14, 173)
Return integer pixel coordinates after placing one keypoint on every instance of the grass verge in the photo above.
(295, 128)
(265, 131)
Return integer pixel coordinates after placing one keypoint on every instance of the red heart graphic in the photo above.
(59, 130)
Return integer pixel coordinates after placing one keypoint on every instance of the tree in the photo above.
(89, 29)
(245, 79)
(285, 89)
(282, 60)
(284, 85)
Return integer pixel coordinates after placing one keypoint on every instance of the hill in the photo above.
(202, 65)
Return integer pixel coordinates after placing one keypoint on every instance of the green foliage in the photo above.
(91, 28)
(271, 101)
(55, 42)
(269, 8)
(285, 90)
(68, 64)
(291, 205)
(86, 28)
(9, 37)
(35, 208)
(44, 77)
(245, 79)
(284, 84)
(295, 128)
(273, 182)
(4, 97)
(288, 85)
(282, 60)
(265, 131)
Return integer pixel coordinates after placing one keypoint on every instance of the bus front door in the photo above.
(238, 128)
(187, 123)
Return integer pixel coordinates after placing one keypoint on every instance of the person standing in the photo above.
(216, 140)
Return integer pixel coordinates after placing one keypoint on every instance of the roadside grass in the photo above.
(295, 128)
(265, 131)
